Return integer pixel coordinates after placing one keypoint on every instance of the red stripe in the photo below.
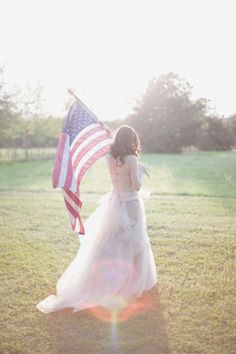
(71, 209)
(87, 148)
(76, 215)
(81, 226)
(74, 198)
(69, 174)
(91, 160)
(58, 160)
(85, 136)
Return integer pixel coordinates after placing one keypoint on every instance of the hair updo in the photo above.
(126, 142)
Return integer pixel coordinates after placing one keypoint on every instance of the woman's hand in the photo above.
(142, 170)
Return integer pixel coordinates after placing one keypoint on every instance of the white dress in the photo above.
(114, 260)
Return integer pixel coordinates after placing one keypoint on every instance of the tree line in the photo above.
(166, 117)
(169, 120)
(24, 125)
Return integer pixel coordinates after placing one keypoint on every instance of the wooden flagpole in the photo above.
(73, 94)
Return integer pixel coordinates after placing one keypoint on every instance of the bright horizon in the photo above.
(108, 51)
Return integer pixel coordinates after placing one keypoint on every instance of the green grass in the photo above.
(191, 218)
(199, 173)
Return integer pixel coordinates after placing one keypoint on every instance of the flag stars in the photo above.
(78, 118)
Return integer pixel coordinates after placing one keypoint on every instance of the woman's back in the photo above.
(124, 178)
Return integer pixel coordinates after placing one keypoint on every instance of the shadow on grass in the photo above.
(140, 328)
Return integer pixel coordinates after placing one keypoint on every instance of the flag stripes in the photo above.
(82, 141)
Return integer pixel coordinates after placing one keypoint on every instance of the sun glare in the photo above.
(108, 51)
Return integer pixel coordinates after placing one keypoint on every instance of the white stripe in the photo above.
(73, 186)
(84, 131)
(64, 163)
(71, 202)
(90, 153)
(72, 217)
(86, 142)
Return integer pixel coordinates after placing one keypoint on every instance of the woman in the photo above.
(114, 260)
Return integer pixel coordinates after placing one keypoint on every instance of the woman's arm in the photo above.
(136, 172)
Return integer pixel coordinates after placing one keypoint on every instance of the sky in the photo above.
(108, 51)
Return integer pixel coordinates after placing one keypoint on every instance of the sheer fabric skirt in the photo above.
(114, 257)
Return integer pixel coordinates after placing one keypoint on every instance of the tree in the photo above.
(231, 125)
(8, 112)
(30, 102)
(166, 117)
(215, 134)
(36, 128)
(113, 124)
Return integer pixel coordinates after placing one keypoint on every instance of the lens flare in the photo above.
(116, 307)
(120, 310)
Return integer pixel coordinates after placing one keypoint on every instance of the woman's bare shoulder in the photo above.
(131, 158)
(128, 159)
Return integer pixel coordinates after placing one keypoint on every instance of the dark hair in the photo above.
(126, 142)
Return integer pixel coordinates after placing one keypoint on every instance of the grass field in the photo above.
(191, 216)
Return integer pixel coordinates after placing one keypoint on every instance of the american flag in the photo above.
(83, 139)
